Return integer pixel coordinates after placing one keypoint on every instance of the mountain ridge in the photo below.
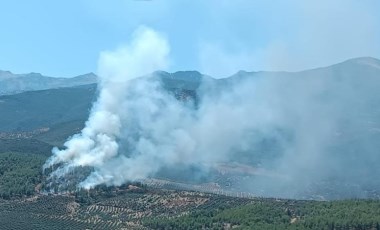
(11, 83)
(17, 83)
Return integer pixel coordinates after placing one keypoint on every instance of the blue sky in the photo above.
(217, 37)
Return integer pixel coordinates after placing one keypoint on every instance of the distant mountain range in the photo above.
(52, 101)
(16, 83)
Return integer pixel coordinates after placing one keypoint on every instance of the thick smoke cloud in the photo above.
(293, 130)
(97, 144)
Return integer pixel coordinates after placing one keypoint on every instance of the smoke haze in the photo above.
(299, 129)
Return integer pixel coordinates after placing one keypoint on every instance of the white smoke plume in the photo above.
(97, 143)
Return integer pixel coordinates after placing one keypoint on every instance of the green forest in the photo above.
(20, 174)
(279, 214)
